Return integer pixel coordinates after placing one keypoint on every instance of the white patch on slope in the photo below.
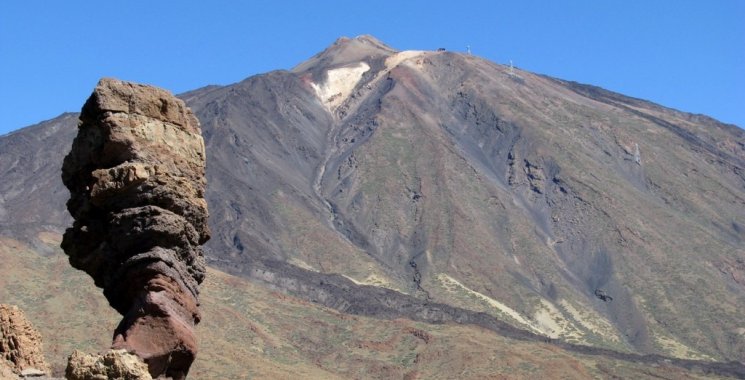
(591, 320)
(339, 84)
(302, 264)
(450, 282)
(373, 280)
(402, 56)
(547, 320)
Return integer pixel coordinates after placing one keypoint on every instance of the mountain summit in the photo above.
(345, 51)
(439, 186)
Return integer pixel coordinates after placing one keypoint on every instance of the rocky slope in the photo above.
(438, 178)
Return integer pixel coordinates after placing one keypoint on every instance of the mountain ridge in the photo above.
(460, 181)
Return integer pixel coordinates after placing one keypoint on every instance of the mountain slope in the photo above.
(32, 196)
(249, 330)
(456, 181)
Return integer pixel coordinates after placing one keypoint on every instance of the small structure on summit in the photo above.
(136, 175)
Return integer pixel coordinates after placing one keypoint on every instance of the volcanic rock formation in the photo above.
(20, 343)
(114, 364)
(136, 175)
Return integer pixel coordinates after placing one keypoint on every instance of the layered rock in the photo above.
(20, 343)
(136, 175)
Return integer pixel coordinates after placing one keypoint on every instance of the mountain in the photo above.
(440, 187)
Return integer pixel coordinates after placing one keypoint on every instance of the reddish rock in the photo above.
(136, 175)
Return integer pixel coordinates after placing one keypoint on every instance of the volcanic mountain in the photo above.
(439, 187)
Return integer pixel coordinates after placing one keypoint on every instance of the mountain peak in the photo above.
(367, 39)
(346, 51)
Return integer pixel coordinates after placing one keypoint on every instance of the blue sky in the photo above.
(684, 54)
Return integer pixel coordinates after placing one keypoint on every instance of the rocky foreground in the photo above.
(21, 351)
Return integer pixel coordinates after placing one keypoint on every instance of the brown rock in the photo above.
(136, 175)
(20, 342)
(6, 373)
(111, 365)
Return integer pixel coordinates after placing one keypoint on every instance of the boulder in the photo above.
(20, 343)
(111, 365)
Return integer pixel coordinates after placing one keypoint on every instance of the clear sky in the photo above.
(685, 54)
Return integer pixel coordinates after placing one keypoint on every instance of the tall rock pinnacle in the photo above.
(136, 175)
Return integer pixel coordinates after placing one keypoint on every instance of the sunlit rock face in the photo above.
(136, 175)
(21, 348)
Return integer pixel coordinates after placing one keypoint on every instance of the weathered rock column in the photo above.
(136, 175)
(20, 344)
